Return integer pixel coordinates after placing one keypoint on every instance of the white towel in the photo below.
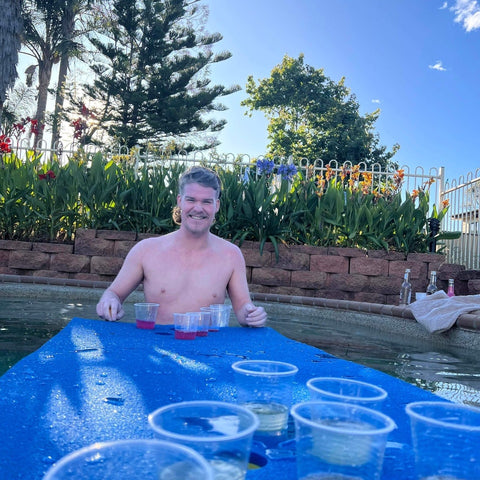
(438, 312)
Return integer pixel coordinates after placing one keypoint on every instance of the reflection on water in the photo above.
(25, 325)
(452, 374)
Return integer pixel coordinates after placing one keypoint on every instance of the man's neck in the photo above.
(191, 241)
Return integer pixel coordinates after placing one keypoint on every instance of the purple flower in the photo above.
(265, 166)
(287, 171)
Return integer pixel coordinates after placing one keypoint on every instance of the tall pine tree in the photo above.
(151, 78)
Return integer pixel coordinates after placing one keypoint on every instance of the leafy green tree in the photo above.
(151, 81)
(10, 31)
(51, 37)
(311, 116)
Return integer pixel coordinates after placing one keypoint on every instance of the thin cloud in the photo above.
(438, 66)
(375, 100)
(467, 12)
(444, 6)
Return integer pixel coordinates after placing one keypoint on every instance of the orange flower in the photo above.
(328, 173)
(415, 194)
(367, 178)
(345, 171)
(356, 172)
(445, 203)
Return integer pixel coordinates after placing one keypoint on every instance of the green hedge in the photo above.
(48, 202)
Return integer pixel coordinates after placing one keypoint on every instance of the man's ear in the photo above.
(217, 208)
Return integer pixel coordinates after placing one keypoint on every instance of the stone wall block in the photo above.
(271, 276)
(385, 285)
(85, 234)
(95, 246)
(14, 245)
(474, 287)
(347, 252)
(347, 283)
(449, 270)
(53, 247)
(390, 256)
(4, 257)
(117, 235)
(368, 266)
(417, 269)
(105, 265)
(291, 291)
(253, 258)
(291, 260)
(310, 280)
(122, 247)
(29, 260)
(65, 262)
(329, 264)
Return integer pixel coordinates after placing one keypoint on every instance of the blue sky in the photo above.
(416, 60)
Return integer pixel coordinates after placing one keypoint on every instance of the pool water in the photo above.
(27, 323)
(451, 373)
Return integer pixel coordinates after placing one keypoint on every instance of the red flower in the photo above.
(5, 144)
(47, 176)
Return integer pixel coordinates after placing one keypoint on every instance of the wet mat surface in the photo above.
(98, 381)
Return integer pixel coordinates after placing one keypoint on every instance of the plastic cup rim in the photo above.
(382, 394)
(177, 436)
(189, 452)
(410, 409)
(389, 423)
(146, 304)
(238, 367)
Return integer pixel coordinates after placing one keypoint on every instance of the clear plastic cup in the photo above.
(265, 387)
(220, 315)
(203, 322)
(339, 440)
(185, 326)
(221, 432)
(446, 440)
(132, 460)
(145, 315)
(346, 390)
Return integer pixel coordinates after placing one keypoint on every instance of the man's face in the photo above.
(198, 205)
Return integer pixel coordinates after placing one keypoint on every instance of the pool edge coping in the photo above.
(467, 321)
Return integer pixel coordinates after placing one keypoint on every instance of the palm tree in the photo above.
(74, 10)
(10, 33)
(49, 33)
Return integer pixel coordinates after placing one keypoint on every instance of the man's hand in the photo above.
(110, 307)
(254, 316)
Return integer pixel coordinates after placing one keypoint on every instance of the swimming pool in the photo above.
(30, 315)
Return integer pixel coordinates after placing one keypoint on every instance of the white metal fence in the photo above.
(463, 195)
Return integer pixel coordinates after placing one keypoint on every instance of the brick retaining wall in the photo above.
(339, 273)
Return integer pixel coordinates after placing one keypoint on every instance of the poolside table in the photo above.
(98, 381)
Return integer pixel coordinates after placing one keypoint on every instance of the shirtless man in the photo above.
(189, 268)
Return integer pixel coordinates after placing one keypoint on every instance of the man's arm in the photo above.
(248, 315)
(129, 277)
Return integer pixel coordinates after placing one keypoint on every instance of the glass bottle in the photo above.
(432, 286)
(406, 289)
(451, 288)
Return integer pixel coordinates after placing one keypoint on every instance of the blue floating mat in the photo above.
(98, 381)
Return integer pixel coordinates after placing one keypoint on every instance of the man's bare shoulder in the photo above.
(153, 243)
(226, 247)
